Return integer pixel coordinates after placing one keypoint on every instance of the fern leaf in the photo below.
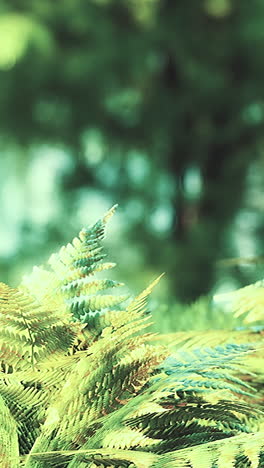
(111, 370)
(104, 457)
(26, 404)
(69, 277)
(235, 452)
(199, 370)
(9, 450)
(29, 331)
(247, 301)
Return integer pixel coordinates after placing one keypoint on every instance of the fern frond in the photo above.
(86, 306)
(85, 386)
(27, 406)
(244, 450)
(236, 452)
(253, 363)
(77, 262)
(191, 420)
(247, 301)
(206, 369)
(188, 340)
(9, 450)
(88, 287)
(29, 331)
(103, 457)
(173, 413)
(102, 378)
(70, 276)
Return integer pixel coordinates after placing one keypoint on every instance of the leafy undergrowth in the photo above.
(85, 384)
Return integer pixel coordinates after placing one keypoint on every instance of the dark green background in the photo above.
(156, 105)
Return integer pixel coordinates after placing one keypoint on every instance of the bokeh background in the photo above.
(156, 105)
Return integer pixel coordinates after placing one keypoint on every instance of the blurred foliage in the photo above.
(201, 315)
(155, 105)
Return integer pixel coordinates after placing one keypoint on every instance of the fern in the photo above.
(29, 331)
(247, 302)
(71, 275)
(9, 450)
(84, 384)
